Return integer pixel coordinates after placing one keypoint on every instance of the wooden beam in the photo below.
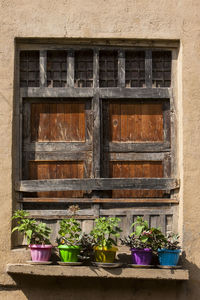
(96, 69)
(57, 156)
(138, 147)
(106, 93)
(121, 68)
(58, 147)
(135, 93)
(77, 43)
(70, 68)
(59, 217)
(55, 92)
(96, 104)
(97, 184)
(130, 156)
(148, 68)
(98, 200)
(43, 68)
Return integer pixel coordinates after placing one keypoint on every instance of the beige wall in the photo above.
(135, 19)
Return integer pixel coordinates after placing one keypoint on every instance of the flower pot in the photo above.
(141, 256)
(40, 252)
(69, 253)
(105, 255)
(168, 257)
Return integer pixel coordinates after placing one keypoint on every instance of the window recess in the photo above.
(96, 129)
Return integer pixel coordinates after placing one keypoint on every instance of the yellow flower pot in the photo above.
(104, 254)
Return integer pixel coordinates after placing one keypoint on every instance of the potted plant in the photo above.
(169, 251)
(143, 242)
(105, 234)
(70, 235)
(36, 233)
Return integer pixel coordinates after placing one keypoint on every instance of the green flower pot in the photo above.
(69, 253)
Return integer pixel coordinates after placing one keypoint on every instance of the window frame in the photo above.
(97, 95)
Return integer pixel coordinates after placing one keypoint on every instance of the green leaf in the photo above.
(139, 230)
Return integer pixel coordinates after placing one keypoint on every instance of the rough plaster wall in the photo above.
(158, 19)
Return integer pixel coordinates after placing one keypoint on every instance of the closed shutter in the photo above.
(96, 129)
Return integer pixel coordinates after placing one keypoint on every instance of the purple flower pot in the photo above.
(141, 256)
(40, 252)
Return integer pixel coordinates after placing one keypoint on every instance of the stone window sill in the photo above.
(90, 271)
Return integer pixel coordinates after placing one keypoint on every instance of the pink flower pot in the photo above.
(40, 252)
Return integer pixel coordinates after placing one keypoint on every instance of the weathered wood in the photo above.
(166, 121)
(138, 147)
(121, 68)
(88, 122)
(55, 92)
(96, 104)
(26, 134)
(135, 93)
(99, 200)
(77, 43)
(60, 217)
(55, 147)
(148, 68)
(97, 184)
(43, 68)
(59, 155)
(154, 210)
(70, 68)
(96, 69)
(159, 156)
(133, 169)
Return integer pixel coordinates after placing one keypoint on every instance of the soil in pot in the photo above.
(69, 253)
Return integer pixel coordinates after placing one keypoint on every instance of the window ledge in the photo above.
(90, 271)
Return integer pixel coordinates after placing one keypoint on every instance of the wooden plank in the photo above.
(137, 147)
(55, 92)
(26, 123)
(60, 217)
(61, 156)
(40, 122)
(129, 156)
(137, 210)
(135, 93)
(96, 69)
(61, 122)
(100, 200)
(43, 68)
(148, 68)
(55, 147)
(77, 43)
(53, 128)
(114, 122)
(70, 68)
(97, 184)
(96, 104)
(166, 121)
(121, 68)
(151, 122)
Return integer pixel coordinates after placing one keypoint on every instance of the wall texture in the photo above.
(135, 19)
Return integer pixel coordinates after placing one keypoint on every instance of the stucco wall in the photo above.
(135, 19)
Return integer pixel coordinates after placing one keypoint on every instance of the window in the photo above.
(96, 129)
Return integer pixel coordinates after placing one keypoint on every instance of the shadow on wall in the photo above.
(60, 288)
(48, 288)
